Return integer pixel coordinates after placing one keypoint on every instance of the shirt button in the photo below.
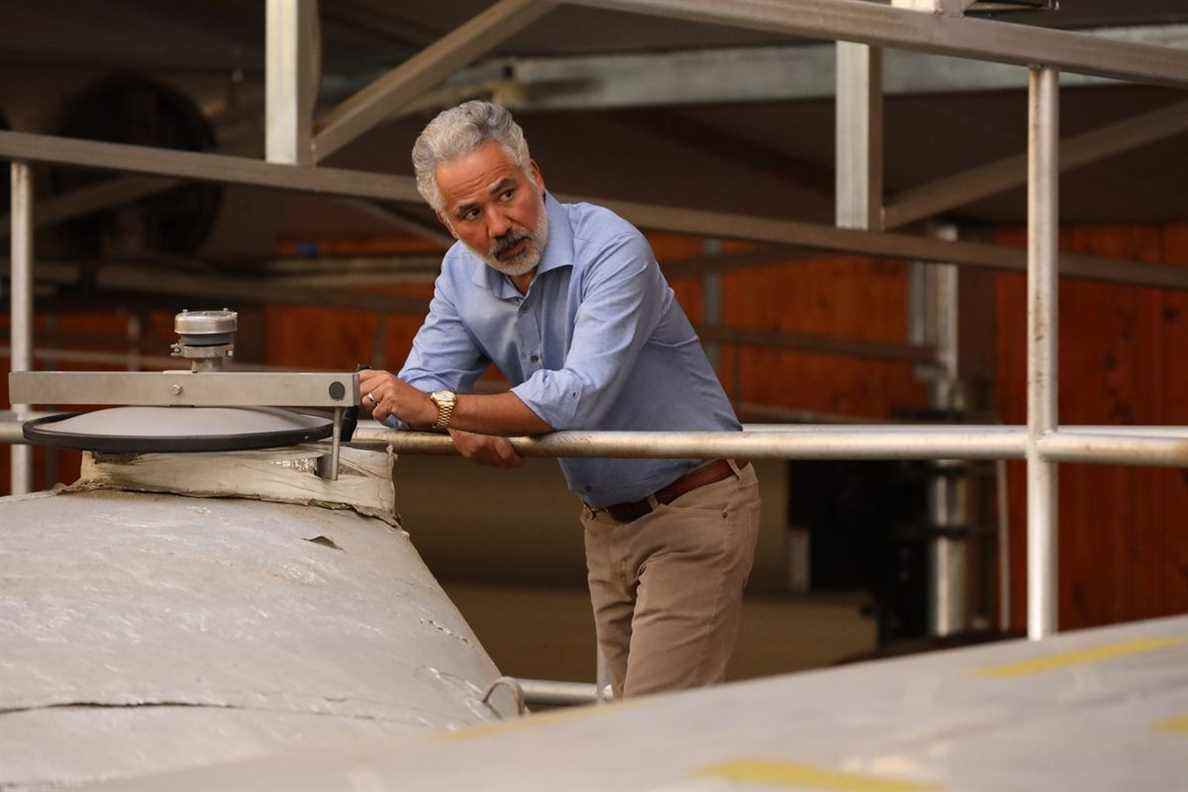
(535, 358)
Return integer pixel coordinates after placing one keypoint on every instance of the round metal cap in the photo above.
(205, 322)
(121, 430)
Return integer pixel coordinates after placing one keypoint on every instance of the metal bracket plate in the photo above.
(185, 388)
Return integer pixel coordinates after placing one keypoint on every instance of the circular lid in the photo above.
(204, 322)
(177, 429)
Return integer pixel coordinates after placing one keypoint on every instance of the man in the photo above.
(568, 302)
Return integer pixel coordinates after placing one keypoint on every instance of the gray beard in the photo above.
(526, 261)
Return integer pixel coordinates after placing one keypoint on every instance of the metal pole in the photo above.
(551, 693)
(293, 68)
(859, 134)
(22, 309)
(811, 442)
(603, 689)
(950, 514)
(336, 442)
(1043, 227)
(711, 288)
(1004, 545)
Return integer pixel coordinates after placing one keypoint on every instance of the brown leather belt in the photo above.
(709, 474)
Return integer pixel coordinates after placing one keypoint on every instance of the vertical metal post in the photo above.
(933, 291)
(1043, 201)
(711, 290)
(859, 136)
(1004, 546)
(604, 690)
(336, 442)
(22, 309)
(292, 71)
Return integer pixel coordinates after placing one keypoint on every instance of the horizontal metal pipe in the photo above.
(206, 167)
(817, 343)
(333, 181)
(103, 358)
(1118, 449)
(1161, 446)
(808, 442)
(1123, 431)
(10, 425)
(549, 693)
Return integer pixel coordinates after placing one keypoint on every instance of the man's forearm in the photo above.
(496, 414)
(384, 395)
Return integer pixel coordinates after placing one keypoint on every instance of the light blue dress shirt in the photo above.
(598, 342)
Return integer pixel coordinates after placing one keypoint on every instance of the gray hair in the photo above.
(458, 131)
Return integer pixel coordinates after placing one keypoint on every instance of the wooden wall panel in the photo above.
(849, 298)
(1121, 557)
(1172, 569)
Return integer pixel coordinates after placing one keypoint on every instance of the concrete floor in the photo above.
(548, 633)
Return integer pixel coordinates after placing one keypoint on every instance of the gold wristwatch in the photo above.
(445, 401)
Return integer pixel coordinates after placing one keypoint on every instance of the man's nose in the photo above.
(497, 222)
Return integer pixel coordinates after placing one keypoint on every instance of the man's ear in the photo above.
(441, 216)
(537, 176)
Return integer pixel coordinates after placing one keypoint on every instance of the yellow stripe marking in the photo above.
(1177, 725)
(795, 775)
(1098, 654)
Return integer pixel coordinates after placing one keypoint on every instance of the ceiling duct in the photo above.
(134, 110)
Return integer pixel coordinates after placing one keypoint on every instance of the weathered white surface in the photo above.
(285, 475)
(150, 632)
(1095, 710)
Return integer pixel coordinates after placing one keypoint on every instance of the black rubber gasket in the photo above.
(167, 444)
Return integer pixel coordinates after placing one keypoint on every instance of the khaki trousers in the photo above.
(667, 588)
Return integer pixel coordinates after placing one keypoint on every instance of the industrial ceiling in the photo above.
(768, 153)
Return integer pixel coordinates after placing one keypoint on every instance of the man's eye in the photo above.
(470, 214)
(507, 194)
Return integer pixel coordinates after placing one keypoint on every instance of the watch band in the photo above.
(445, 401)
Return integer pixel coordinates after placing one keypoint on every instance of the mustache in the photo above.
(507, 242)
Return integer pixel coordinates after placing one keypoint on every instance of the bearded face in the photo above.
(519, 251)
(496, 207)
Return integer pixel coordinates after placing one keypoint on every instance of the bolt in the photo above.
(175, 389)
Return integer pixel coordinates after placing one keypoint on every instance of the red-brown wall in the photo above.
(1123, 543)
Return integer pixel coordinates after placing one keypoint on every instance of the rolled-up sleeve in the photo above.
(444, 354)
(621, 303)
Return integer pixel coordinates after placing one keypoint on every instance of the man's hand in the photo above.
(486, 449)
(384, 395)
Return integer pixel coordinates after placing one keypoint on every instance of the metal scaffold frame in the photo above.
(293, 149)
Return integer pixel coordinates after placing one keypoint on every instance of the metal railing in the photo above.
(1042, 442)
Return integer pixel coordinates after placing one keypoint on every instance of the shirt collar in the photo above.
(558, 252)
